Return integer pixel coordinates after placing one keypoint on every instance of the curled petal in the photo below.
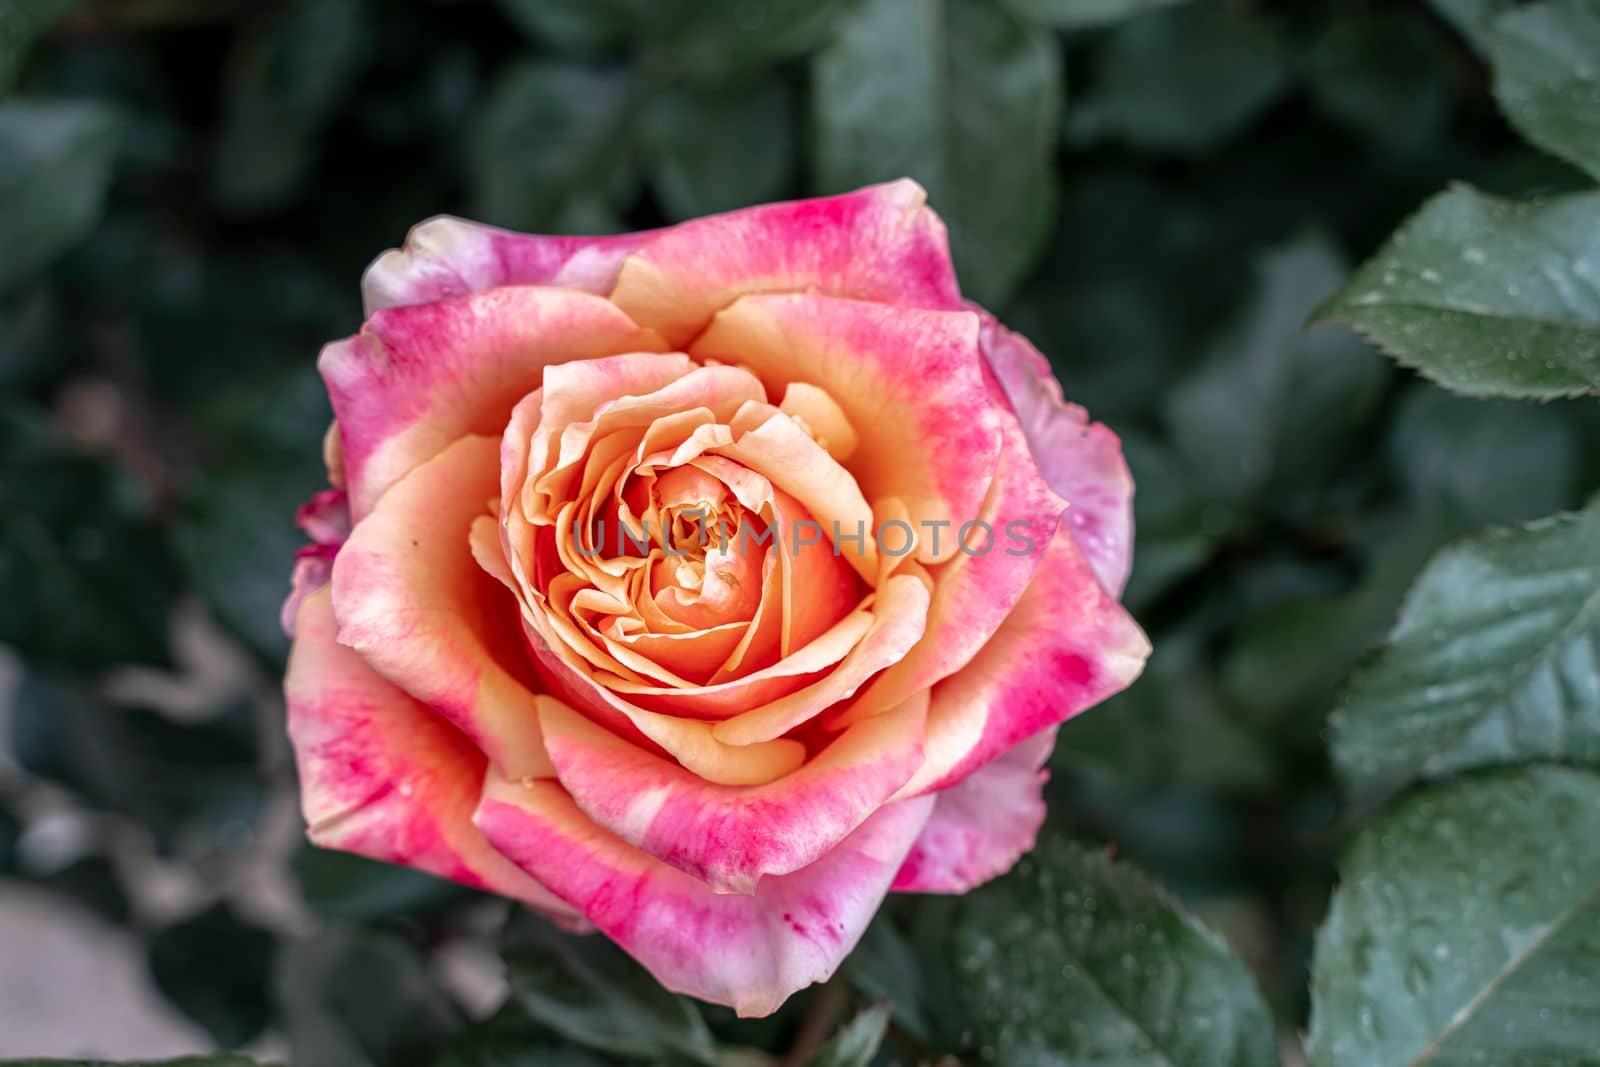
(1081, 460)
(981, 827)
(313, 567)
(445, 257)
(748, 951)
(382, 776)
(731, 837)
(416, 378)
(880, 243)
(325, 518)
(1067, 646)
(410, 597)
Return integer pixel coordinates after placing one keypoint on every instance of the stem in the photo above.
(824, 1015)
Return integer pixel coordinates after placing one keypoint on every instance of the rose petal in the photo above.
(975, 593)
(1067, 646)
(313, 566)
(981, 826)
(416, 378)
(445, 257)
(410, 597)
(746, 951)
(325, 518)
(382, 776)
(899, 619)
(938, 451)
(1081, 460)
(730, 837)
(878, 243)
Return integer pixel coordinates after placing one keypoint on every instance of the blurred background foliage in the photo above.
(1157, 192)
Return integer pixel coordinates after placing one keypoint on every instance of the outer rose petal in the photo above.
(412, 600)
(982, 826)
(1067, 646)
(416, 378)
(731, 837)
(446, 256)
(880, 243)
(748, 952)
(382, 776)
(313, 567)
(326, 520)
(1081, 460)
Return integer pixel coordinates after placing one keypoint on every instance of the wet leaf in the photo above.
(1075, 959)
(1546, 59)
(1491, 662)
(1466, 928)
(1486, 296)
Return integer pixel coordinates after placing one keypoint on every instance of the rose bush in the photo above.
(537, 650)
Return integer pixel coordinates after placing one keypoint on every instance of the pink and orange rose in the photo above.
(700, 586)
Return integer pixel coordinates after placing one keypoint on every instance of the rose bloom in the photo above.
(720, 752)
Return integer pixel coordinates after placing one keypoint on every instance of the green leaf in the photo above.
(58, 158)
(216, 1059)
(1386, 75)
(22, 22)
(1486, 296)
(1171, 729)
(1472, 17)
(1492, 661)
(1176, 523)
(590, 992)
(193, 784)
(238, 541)
(355, 998)
(715, 150)
(287, 80)
(1075, 959)
(1546, 61)
(551, 134)
(1273, 408)
(236, 534)
(345, 887)
(10, 833)
(961, 97)
(1292, 657)
(1080, 14)
(85, 588)
(884, 965)
(214, 967)
(510, 1039)
(702, 41)
(856, 1042)
(1181, 80)
(1495, 461)
(1465, 929)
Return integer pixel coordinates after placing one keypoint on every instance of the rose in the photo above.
(720, 752)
